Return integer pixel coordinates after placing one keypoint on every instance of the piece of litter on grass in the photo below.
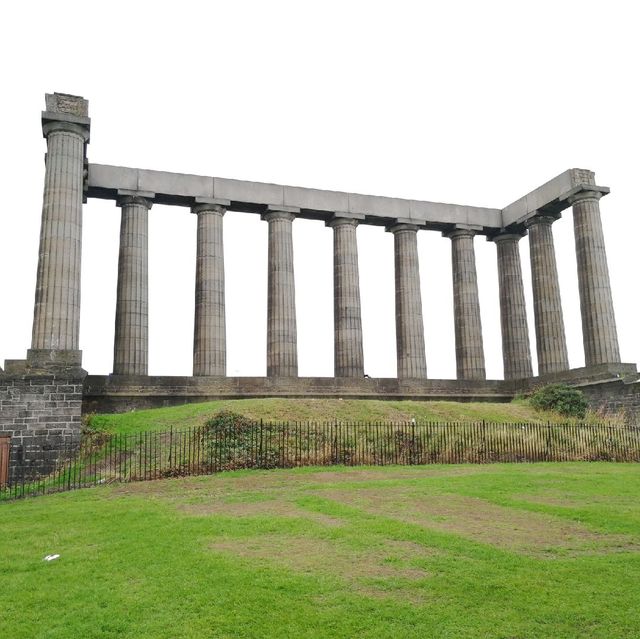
(51, 557)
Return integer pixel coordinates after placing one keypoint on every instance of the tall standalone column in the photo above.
(282, 341)
(209, 336)
(466, 307)
(56, 317)
(131, 346)
(551, 343)
(516, 351)
(599, 332)
(347, 316)
(412, 360)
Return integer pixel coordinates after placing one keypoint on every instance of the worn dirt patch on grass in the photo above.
(271, 507)
(371, 570)
(227, 483)
(550, 498)
(482, 521)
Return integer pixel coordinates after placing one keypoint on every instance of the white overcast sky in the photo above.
(464, 102)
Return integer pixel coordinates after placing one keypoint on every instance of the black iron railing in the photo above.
(104, 458)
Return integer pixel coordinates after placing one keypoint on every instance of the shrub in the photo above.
(560, 398)
(234, 441)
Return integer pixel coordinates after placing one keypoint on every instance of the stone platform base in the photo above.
(114, 393)
(40, 410)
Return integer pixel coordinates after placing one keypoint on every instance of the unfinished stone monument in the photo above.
(41, 397)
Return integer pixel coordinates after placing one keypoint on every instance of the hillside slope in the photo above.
(321, 410)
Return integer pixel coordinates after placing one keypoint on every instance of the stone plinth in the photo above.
(282, 340)
(551, 343)
(209, 336)
(347, 315)
(41, 411)
(410, 348)
(516, 350)
(466, 307)
(131, 344)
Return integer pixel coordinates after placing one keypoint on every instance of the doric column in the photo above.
(347, 316)
(209, 335)
(131, 344)
(599, 332)
(282, 341)
(412, 360)
(56, 318)
(466, 306)
(516, 351)
(551, 343)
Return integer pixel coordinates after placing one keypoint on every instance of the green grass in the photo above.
(495, 551)
(321, 410)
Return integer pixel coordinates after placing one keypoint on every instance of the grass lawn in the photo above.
(321, 410)
(510, 551)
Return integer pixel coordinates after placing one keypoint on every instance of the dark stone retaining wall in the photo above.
(42, 411)
(615, 396)
(112, 393)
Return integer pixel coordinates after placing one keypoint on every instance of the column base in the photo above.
(53, 360)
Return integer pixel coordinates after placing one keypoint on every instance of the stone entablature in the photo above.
(106, 181)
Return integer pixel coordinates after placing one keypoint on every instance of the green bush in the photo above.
(560, 398)
(234, 441)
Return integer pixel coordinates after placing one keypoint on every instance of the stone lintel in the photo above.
(212, 200)
(177, 189)
(516, 233)
(552, 197)
(281, 208)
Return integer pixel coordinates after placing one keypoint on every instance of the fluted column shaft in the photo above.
(410, 349)
(516, 350)
(209, 335)
(131, 345)
(599, 331)
(282, 341)
(551, 343)
(56, 318)
(347, 315)
(466, 307)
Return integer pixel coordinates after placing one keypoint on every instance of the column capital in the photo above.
(278, 214)
(209, 207)
(399, 228)
(456, 233)
(342, 217)
(506, 237)
(138, 198)
(585, 196)
(541, 218)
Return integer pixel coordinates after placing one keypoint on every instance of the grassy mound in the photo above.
(363, 410)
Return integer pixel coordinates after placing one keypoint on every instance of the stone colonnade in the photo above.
(209, 356)
(57, 301)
